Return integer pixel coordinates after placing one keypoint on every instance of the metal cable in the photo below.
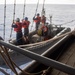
(65, 22)
(4, 18)
(5, 60)
(43, 10)
(24, 9)
(13, 17)
(5, 50)
(7, 54)
(35, 14)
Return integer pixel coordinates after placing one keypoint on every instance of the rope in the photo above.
(36, 8)
(13, 17)
(43, 10)
(5, 60)
(64, 23)
(35, 14)
(68, 22)
(26, 73)
(4, 19)
(5, 51)
(20, 69)
(24, 8)
(4, 72)
(43, 3)
(9, 59)
(14, 63)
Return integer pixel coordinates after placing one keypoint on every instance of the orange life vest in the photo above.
(19, 27)
(37, 19)
(44, 28)
(25, 24)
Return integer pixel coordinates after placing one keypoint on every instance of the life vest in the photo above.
(43, 20)
(18, 27)
(25, 24)
(44, 28)
(37, 19)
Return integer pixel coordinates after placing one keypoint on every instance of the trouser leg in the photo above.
(19, 38)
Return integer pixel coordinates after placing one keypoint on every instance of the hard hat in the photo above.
(26, 18)
(17, 20)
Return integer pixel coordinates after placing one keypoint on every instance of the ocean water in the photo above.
(61, 14)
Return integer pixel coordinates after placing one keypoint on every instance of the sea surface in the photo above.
(61, 14)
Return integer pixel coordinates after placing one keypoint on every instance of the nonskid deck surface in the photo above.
(68, 58)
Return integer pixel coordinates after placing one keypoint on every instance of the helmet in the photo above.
(38, 14)
(26, 18)
(17, 20)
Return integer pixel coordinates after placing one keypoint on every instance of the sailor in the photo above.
(18, 28)
(43, 19)
(44, 29)
(37, 20)
(25, 25)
